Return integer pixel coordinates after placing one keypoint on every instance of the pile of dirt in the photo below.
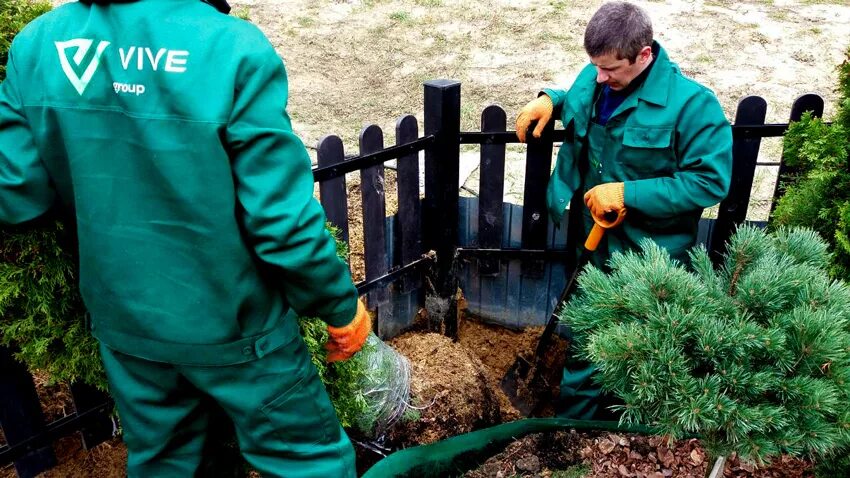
(498, 347)
(449, 387)
(606, 455)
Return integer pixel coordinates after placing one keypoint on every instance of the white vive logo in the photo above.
(83, 45)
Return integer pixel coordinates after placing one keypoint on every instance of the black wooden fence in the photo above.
(418, 257)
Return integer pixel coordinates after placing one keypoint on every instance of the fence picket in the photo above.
(372, 186)
(535, 220)
(807, 102)
(409, 205)
(492, 188)
(752, 110)
(332, 192)
(85, 398)
(442, 171)
(20, 415)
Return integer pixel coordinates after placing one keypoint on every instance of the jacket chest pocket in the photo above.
(648, 152)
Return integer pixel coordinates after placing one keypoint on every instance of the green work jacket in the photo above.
(669, 143)
(162, 125)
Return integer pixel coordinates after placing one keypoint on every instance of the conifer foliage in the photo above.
(41, 313)
(818, 190)
(754, 356)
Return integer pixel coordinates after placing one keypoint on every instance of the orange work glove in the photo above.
(347, 340)
(604, 198)
(540, 110)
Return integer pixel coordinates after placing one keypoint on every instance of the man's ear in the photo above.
(645, 54)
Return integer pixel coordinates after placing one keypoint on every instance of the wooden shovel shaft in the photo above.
(600, 225)
(590, 245)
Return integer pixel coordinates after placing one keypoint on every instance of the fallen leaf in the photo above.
(666, 456)
(606, 446)
(697, 456)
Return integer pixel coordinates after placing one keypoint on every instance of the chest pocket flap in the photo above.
(642, 137)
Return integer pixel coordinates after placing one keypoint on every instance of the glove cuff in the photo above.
(618, 195)
(361, 315)
(545, 102)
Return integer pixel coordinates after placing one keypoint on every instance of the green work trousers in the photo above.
(580, 398)
(285, 423)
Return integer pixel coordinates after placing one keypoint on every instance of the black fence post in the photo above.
(442, 165)
(20, 415)
(752, 110)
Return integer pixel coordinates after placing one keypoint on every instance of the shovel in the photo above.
(526, 399)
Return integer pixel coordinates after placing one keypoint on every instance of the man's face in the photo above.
(618, 73)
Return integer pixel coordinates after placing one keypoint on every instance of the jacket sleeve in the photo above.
(283, 222)
(558, 97)
(25, 188)
(704, 151)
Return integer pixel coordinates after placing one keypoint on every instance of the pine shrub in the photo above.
(753, 357)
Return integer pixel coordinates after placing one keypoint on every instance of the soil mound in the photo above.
(449, 387)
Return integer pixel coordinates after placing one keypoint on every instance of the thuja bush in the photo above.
(818, 196)
(341, 379)
(818, 191)
(42, 317)
(41, 313)
(14, 15)
(754, 356)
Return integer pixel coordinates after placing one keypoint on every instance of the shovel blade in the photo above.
(515, 386)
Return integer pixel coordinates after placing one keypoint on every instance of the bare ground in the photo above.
(353, 62)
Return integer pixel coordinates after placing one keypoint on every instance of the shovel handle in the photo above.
(600, 224)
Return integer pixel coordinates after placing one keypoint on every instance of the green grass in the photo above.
(559, 5)
(242, 12)
(400, 16)
(306, 22)
(778, 15)
(575, 471)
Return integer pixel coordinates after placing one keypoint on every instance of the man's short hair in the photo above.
(618, 27)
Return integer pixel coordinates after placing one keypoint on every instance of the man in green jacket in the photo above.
(161, 126)
(640, 136)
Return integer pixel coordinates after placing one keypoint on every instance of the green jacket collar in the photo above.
(657, 85)
(220, 5)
